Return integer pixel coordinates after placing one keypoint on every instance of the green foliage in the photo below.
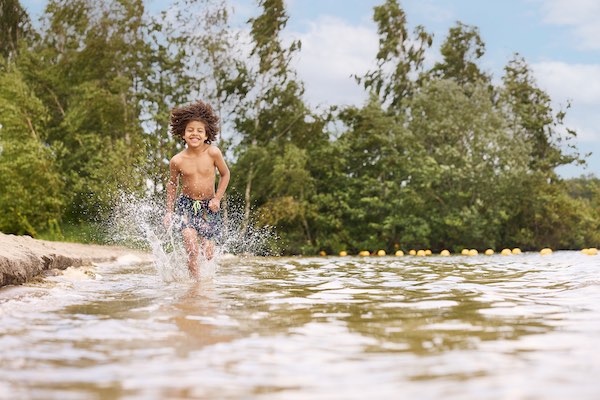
(14, 27)
(398, 57)
(31, 186)
(471, 161)
(87, 69)
(461, 51)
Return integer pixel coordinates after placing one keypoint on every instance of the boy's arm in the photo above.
(224, 175)
(223, 180)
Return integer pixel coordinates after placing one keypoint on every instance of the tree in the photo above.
(273, 119)
(376, 166)
(399, 57)
(470, 163)
(461, 51)
(89, 68)
(532, 118)
(534, 220)
(14, 26)
(30, 198)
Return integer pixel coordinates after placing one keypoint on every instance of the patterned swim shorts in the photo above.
(196, 214)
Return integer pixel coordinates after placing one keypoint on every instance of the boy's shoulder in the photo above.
(177, 156)
(214, 151)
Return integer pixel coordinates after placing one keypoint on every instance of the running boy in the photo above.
(197, 208)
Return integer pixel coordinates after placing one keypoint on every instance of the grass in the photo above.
(84, 232)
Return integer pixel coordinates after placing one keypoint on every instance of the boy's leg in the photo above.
(208, 247)
(190, 241)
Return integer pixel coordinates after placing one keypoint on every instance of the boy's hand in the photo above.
(214, 204)
(167, 220)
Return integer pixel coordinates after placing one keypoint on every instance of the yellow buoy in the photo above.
(427, 252)
(381, 253)
(592, 251)
(399, 253)
(545, 251)
(506, 252)
(473, 252)
(322, 253)
(412, 252)
(584, 251)
(465, 252)
(343, 253)
(364, 253)
(444, 253)
(489, 252)
(421, 253)
(516, 250)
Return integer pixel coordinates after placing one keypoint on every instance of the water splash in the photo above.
(137, 221)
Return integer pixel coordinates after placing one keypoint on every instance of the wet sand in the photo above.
(22, 258)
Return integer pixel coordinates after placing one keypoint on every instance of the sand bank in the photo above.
(22, 258)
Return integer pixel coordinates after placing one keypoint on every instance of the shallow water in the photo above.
(517, 327)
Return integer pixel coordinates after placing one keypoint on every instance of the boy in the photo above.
(198, 206)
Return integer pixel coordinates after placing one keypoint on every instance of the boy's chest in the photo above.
(199, 167)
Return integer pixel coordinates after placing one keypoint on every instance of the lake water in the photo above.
(517, 327)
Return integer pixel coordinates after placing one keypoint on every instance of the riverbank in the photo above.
(22, 258)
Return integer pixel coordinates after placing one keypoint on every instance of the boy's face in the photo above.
(195, 133)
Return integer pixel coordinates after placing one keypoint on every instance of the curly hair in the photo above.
(198, 111)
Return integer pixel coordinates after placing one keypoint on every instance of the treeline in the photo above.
(439, 157)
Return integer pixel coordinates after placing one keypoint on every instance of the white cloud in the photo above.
(332, 51)
(582, 15)
(580, 84)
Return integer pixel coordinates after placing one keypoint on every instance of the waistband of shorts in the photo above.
(188, 198)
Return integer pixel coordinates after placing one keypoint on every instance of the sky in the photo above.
(557, 38)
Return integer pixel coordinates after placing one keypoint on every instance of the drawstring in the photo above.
(196, 206)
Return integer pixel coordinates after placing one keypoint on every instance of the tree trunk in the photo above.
(307, 229)
(247, 199)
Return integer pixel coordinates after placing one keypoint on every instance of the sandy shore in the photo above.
(22, 258)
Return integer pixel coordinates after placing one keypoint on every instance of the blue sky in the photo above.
(558, 38)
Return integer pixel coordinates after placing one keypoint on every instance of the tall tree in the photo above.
(14, 26)
(461, 52)
(376, 167)
(532, 120)
(399, 58)
(272, 118)
(90, 68)
(470, 162)
(30, 194)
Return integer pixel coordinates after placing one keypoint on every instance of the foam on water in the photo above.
(138, 221)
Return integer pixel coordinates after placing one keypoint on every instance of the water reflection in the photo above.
(201, 319)
(311, 328)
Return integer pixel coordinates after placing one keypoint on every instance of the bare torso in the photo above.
(197, 174)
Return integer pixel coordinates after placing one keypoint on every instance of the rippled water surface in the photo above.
(518, 327)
